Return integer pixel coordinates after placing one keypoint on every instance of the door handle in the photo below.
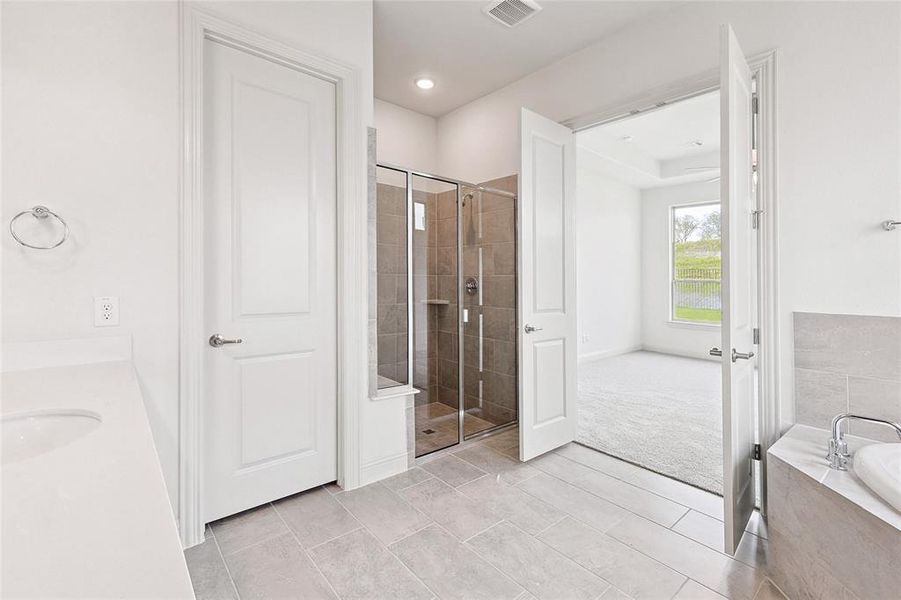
(530, 328)
(715, 351)
(741, 355)
(217, 341)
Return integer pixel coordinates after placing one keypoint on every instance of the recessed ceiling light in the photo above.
(424, 83)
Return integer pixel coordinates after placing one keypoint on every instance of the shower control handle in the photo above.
(530, 328)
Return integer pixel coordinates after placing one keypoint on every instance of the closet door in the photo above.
(270, 400)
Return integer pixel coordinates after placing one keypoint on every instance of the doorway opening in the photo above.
(649, 284)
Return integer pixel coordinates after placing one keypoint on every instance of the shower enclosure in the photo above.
(446, 278)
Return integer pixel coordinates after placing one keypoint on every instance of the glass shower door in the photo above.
(488, 292)
(435, 314)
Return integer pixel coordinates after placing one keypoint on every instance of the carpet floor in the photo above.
(659, 411)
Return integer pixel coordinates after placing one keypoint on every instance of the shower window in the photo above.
(696, 263)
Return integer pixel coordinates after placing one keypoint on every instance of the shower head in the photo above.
(466, 196)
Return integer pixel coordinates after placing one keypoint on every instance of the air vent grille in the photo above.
(511, 12)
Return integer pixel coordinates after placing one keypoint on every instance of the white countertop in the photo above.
(804, 448)
(91, 519)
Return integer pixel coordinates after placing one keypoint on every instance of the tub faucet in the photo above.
(838, 455)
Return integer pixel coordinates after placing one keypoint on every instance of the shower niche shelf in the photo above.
(437, 302)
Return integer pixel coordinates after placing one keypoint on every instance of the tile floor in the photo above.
(476, 523)
(444, 423)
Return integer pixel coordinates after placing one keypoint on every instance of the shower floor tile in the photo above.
(437, 425)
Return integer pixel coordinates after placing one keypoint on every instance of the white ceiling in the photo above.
(469, 55)
(658, 148)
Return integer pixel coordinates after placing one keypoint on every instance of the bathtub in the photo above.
(831, 536)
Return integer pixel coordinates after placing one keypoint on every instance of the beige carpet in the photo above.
(659, 411)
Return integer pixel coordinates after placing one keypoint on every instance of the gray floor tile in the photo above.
(703, 529)
(388, 516)
(692, 590)
(406, 479)
(574, 501)
(276, 568)
(503, 441)
(614, 594)
(536, 566)
(768, 591)
(359, 567)
(510, 470)
(452, 470)
(315, 516)
(708, 531)
(208, 573)
(633, 498)
(713, 569)
(511, 503)
(247, 528)
(628, 570)
(681, 493)
(452, 570)
(459, 514)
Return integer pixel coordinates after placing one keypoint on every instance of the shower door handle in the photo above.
(530, 329)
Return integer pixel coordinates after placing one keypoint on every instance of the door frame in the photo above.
(351, 186)
(763, 69)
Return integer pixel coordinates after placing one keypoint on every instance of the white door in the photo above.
(738, 204)
(547, 267)
(270, 261)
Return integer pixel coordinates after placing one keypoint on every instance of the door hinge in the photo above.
(756, 333)
(755, 218)
(755, 105)
(756, 454)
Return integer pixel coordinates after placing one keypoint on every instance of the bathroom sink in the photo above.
(879, 466)
(31, 433)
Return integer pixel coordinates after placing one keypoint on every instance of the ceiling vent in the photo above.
(511, 12)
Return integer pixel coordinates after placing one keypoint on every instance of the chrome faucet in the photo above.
(838, 455)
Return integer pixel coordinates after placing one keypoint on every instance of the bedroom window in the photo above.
(696, 263)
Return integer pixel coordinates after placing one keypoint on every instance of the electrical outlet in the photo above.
(106, 311)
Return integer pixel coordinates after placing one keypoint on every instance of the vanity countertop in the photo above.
(804, 448)
(91, 519)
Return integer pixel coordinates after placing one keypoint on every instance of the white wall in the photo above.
(91, 128)
(838, 134)
(608, 255)
(658, 333)
(406, 138)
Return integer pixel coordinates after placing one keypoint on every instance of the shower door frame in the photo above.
(459, 184)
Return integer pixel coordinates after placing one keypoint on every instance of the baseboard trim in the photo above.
(671, 352)
(590, 356)
(383, 468)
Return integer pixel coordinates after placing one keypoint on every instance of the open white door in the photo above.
(738, 204)
(547, 282)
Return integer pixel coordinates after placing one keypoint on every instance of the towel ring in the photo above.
(39, 212)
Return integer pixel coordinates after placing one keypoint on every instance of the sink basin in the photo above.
(31, 433)
(879, 466)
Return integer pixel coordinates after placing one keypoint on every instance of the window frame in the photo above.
(671, 308)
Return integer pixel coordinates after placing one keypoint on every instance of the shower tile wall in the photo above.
(391, 284)
(443, 329)
(489, 229)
